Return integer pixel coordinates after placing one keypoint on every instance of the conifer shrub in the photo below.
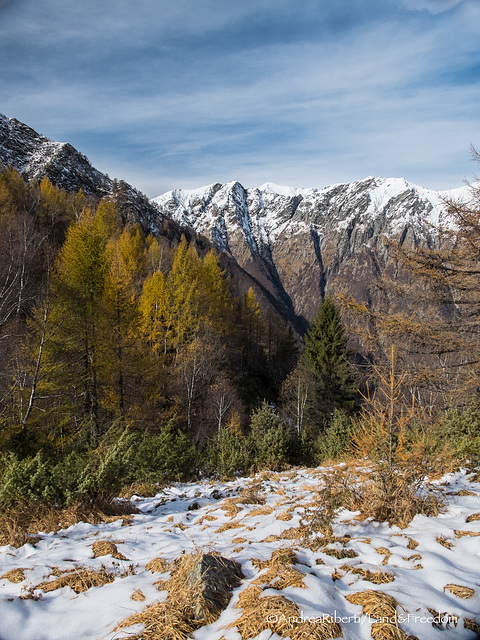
(460, 431)
(22, 480)
(336, 439)
(227, 453)
(169, 455)
(269, 439)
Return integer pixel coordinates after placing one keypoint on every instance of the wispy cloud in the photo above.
(180, 94)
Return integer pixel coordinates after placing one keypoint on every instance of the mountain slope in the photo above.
(304, 242)
(35, 157)
(293, 245)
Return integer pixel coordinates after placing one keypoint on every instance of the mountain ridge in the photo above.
(296, 244)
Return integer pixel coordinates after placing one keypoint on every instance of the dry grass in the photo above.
(444, 542)
(138, 596)
(280, 615)
(280, 578)
(375, 577)
(263, 511)
(252, 494)
(461, 534)
(144, 489)
(79, 580)
(473, 518)
(157, 565)
(384, 552)
(459, 591)
(284, 516)
(415, 556)
(294, 533)
(280, 573)
(229, 525)
(15, 575)
(340, 554)
(19, 525)
(106, 548)
(472, 624)
(280, 557)
(376, 604)
(412, 544)
(185, 610)
(230, 506)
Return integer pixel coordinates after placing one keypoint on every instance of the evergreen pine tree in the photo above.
(327, 357)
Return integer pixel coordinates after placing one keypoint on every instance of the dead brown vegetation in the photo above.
(106, 548)
(14, 575)
(20, 525)
(186, 608)
(79, 580)
(280, 615)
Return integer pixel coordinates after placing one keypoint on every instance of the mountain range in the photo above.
(293, 244)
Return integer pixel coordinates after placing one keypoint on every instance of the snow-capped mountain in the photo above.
(36, 156)
(311, 240)
(291, 244)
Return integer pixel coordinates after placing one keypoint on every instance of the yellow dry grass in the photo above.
(444, 542)
(14, 575)
(376, 604)
(375, 577)
(294, 533)
(230, 506)
(229, 525)
(184, 611)
(106, 548)
(471, 624)
(415, 556)
(271, 538)
(79, 580)
(461, 534)
(157, 565)
(264, 511)
(252, 494)
(280, 557)
(412, 544)
(473, 518)
(138, 596)
(283, 515)
(340, 554)
(459, 591)
(384, 552)
(20, 525)
(280, 615)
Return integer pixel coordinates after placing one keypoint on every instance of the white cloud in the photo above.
(432, 6)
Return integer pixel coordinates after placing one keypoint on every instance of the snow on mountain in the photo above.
(264, 213)
(300, 243)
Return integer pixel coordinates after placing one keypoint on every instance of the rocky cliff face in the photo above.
(35, 157)
(294, 245)
(302, 243)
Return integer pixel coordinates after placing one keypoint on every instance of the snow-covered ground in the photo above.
(423, 558)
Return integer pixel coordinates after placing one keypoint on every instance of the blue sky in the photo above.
(183, 93)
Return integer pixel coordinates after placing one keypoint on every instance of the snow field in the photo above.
(248, 520)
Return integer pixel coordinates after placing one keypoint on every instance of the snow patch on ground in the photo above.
(196, 516)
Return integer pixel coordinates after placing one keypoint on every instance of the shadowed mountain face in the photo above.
(293, 245)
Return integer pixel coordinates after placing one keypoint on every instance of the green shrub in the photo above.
(170, 455)
(336, 438)
(27, 479)
(227, 453)
(269, 440)
(460, 430)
